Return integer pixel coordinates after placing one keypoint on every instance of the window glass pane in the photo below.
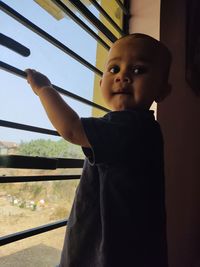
(64, 29)
(58, 66)
(28, 205)
(19, 104)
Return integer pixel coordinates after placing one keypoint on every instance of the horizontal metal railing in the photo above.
(4, 240)
(34, 178)
(25, 127)
(14, 45)
(30, 162)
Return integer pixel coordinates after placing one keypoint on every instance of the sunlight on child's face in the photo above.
(133, 77)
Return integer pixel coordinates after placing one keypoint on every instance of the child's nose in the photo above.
(123, 77)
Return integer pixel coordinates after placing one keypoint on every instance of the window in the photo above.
(68, 41)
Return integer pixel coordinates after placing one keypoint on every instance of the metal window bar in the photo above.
(30, 162)
(22, 179)
(24, 127)
(14, 45)
(10, 179)
(4, 240)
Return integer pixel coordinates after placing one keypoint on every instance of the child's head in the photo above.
(136, 73)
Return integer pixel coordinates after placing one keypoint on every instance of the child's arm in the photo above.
(64, 119)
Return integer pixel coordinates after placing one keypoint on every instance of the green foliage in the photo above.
(49, 148)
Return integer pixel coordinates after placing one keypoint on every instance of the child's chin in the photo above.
(119, 108)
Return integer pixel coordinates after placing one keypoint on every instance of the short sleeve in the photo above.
(112, 137)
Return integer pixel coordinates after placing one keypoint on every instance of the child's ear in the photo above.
(166, 90)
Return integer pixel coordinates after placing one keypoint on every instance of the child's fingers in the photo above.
(29, 73)
(32, 74)
(35, 74)
(36, 79)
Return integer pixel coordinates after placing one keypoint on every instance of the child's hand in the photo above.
(37, 80)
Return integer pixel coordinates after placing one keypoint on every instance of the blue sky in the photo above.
(18, 102)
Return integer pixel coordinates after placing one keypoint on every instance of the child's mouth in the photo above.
(122, 93)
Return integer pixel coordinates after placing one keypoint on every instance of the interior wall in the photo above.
(179, 116)
(145, 17)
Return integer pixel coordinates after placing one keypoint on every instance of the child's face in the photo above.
(133, 76)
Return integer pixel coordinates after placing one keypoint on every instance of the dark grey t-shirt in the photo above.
(118, 215)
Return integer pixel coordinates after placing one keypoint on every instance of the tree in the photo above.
(49, 148)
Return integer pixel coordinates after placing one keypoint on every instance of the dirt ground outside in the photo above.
(17, 213)
(42, 250)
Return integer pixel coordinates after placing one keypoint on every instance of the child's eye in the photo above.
(114, 69)
(139, 70)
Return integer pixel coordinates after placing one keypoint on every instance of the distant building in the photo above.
(8, 148)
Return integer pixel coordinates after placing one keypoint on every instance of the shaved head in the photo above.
(156, 48)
